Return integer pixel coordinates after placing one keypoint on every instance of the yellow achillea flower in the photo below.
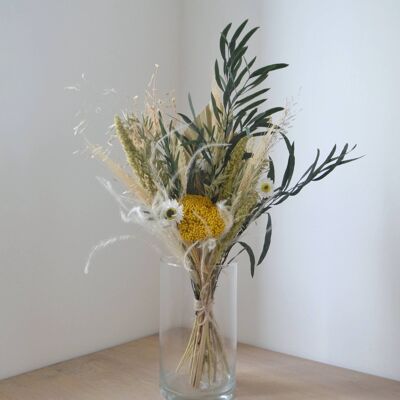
(201, 219)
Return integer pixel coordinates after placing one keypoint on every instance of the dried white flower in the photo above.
(170, 210)
(266, 187)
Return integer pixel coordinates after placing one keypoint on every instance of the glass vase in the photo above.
(197, 333)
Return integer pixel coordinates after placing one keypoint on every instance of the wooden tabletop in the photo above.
(130, 372)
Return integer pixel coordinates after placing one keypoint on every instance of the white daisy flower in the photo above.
(170, 210)
(266, 187)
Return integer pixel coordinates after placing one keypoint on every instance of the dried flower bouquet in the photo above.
(198, 182)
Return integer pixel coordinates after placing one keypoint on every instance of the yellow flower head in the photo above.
(201, 219)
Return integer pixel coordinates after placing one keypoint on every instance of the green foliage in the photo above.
(218, 148)
(242, 117)
(267, 240)
(242, 97)
(313, 173)
(239, 84)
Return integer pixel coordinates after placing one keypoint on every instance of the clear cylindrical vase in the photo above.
(197, 332)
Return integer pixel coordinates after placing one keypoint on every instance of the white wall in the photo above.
(52, 210)
(329, 287)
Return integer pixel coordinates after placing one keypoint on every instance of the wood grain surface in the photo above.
(130, 372)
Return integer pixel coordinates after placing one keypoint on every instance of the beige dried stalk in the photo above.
(136, 158)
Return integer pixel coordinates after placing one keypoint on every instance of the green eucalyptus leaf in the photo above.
(218, 76)
(287, 176)
(223, 41)
(237, 33)
(310, 170)
(246, 38)
(267, 240)
(251, 256)
(250, 116)
(191, 106)
(216, 110)
(186, 119)
(253, 105)
(244, 70)
(267, 69)
(252, 96)
(236, 57)
(193, 126)
(283, 197)
(330, 155)
(271, 170)
(261, 120)
(257, 81)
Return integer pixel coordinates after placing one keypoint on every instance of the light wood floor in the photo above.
(130, 372)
